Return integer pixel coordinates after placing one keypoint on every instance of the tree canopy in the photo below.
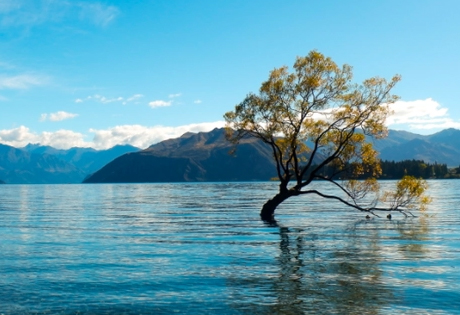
(316, 117)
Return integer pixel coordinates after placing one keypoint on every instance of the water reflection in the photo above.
(413, 234)
(203, 250)
(314, 276)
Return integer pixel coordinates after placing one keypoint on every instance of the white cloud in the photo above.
(136, 135)
(97, 13)
(437, 124)
(421, 115)
(418, 115)
(118, 99)
(15, 135)
(107, 100)
(142, 136)
(58, 116)
(197, 102)
(133, 98)
(32, 13)
(61, 139)
(22, 81)
(160, 103)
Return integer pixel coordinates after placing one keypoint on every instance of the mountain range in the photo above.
(203, 156)
(442, 147)
(35, 164)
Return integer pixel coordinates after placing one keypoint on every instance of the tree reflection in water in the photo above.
(338, 273)
(412, 234)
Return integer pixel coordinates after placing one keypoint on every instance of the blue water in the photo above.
(200, 248)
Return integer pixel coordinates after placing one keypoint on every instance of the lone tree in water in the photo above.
(318, 123)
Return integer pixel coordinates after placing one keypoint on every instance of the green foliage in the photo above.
(453, 173)
(395, 170)
(416, 168)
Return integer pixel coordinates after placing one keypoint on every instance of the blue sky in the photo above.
(100, 73)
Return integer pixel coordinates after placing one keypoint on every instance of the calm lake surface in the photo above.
(201, 248)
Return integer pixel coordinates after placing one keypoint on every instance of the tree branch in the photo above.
(370, 209)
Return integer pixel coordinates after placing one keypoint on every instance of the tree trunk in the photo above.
(268, 210)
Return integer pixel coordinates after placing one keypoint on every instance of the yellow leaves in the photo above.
(424, 202)
(312, 82)
(282, 143)
(409, 194)
(316, 104)
(278, 73)
(359, 189)
(316, 88)
(315, 60)
(289, 147)
(279, 80)
(368, 154)
(378, 83)
(411, 186)
(357, 137)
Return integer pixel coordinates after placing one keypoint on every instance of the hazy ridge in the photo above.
(200, 156)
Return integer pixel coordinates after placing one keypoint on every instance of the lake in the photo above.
(200, 248)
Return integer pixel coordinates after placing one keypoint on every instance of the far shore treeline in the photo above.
(416, 168)
(396, 170)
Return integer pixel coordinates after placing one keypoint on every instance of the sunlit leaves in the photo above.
(359, 189)
(313, 118)
(409, 194)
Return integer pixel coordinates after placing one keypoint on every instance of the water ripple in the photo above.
(200, 248)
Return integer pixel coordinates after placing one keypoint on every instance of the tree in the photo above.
(316, 118)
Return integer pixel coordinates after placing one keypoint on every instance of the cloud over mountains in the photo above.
(136, 135)
(421, 115)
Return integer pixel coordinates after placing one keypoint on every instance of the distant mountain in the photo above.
(192, 157)
(204, 157)
(21, 167)
(448, 137)
(442, 147)
(200, 156)
(395, 138)
(88, 160)
(35, 164)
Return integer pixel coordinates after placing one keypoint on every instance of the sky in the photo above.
(101, 73)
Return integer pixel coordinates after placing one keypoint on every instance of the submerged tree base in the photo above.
(407, 196)
(268, 210)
